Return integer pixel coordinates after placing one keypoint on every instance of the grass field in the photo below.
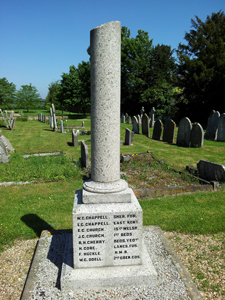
(47, 203)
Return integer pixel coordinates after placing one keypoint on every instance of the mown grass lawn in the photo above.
(47, 203)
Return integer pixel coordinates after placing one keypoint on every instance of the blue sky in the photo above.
(40, 39)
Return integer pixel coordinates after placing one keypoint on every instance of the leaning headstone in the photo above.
(122, 118)
(74, 138)
(221, 129)
(169, 131)
(5, 149)
(157, 130)
(197, 136)
(211, 171)
(128, 120)
(152, 116)
(212, 127)
(135, 125)
(7, 126)
(129, 137)
(84, 155)
(61, 126)
(145, 125)
(184, 132)
(106, 213)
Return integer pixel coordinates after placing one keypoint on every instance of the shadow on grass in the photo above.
(36, 223)
(70, 144)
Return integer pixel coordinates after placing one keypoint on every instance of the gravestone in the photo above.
(126, 115)
(169, 131)
(74, 138)
(54, 118)
(211, 171)
(107, 248)
(51, 118)
(84, 155)
(129, 137)
(221, 129)
(197, 136)
(82, 123)
(135, 125)
(122, 118)
(44, 118)
(6, 124)
(142, 111)
(5, 149)
(167, 118)
(128, 120)
(139, 120)
(157, 130)
(61, 126)
(212, 127)
(184, 132)
(145, 125)
(152, 116)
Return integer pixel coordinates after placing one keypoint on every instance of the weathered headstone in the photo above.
(122, 118)
(211, 171)
(145, 125)
(139, 120)
(157, 130)
(152, 116)
(221, 128)
(169, 131)
(54, 118)
(4, 118)
(135, 125)
(82, 123)
(197, 136)
(212, 127)
(184, 132)
(128, 120)
(106, 213)
(129, 137)
(5, 149)
(61, 126)
(84, 155)
(74, 138)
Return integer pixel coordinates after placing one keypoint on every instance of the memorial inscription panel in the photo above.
(109, 238)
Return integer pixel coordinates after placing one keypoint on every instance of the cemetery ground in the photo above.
(194, 223)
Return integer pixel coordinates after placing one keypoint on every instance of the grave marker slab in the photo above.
(74, 138)
(129, 137)
(211, 171)
(157, 130)
(212, 126)
(4, 118)
(135, 125)
(169, 131)
(84, 155)
(152, 116)
(221, 128)
(184, 132)
(145, 125)
(197, 136)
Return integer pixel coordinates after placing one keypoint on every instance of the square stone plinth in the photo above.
(76, 279)
(108, 234)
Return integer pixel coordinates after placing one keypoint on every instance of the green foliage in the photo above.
(53, 91)
(146, 74)
(74, 92)
(28, 97)
(7, 94)
(202, 67)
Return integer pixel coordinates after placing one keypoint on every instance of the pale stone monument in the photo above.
(169, 131)
(221, 128)
(5, 149)
(142, 111)
(157, 130)
(123, 118)
(139, 119)
(145, 125)
(135, 124)
(152, 116)
(7, 126)
(128, 120)
(107, 249)
(212, 126)
(74, 138)
(54, 118)
(61, 126)
(184, 132)
(197, 136)
(84, 155)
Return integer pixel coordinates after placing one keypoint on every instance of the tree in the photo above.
(201, 70)
(74, 90)
(28, 97)
(53, 91)
(7, 94)
(146, 74)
